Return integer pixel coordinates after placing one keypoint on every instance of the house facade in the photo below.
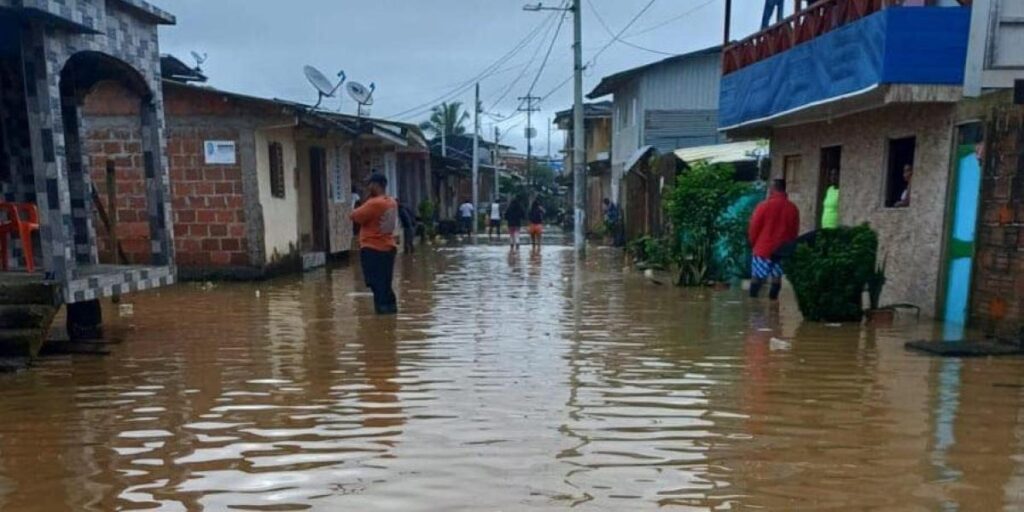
(259, 186)
(597, 121)
(52, 57)
(874, 93)
(656, 109)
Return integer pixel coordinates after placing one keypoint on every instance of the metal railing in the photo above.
(806, 25)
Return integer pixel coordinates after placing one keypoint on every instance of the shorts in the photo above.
(495, 223)
(764, 268)
(513, 231)
(536, 229)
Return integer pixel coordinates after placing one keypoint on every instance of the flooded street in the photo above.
(505, 384)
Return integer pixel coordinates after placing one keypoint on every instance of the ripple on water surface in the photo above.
(508, 382)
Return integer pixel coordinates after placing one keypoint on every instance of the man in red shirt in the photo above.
(775, 223)
(377, 219)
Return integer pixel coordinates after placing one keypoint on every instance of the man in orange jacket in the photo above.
(377, 219)
(775, 223)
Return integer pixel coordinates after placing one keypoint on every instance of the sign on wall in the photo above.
(219, 152)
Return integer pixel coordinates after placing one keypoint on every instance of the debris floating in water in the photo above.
(125, 310)
(779, 344)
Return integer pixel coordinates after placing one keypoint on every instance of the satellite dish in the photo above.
(200, 59)
(323, 86)
(360, 93)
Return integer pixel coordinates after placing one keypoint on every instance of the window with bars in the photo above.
(277, 186)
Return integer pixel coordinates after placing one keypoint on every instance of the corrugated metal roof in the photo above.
(610, 83)
(746, 151)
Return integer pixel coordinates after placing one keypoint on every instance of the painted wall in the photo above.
(282, 214)
(912, 237)
(690, 84)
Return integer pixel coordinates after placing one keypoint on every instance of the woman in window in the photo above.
(908, 175)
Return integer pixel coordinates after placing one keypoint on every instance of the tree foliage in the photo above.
(449, 118)
(694, 207)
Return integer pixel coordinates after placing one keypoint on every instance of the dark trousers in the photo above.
(378, 270)
(770, 7)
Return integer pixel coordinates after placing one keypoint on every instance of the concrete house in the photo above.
(656, 109)
(52, 56)
(259, 186)
(597, 121)
(872, 93)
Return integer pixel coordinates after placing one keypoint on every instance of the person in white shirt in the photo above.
(494, 228)
(466, 217)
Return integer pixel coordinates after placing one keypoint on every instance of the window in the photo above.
(277, 186)
(791, 168)
(899, 173)
(627, 111)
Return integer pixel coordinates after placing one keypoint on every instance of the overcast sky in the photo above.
(420, 51)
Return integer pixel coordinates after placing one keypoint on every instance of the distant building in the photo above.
(656, 109)
(597, 120)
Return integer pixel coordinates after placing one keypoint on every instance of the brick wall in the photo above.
(208, 201)
(997, 303)
(113, 132)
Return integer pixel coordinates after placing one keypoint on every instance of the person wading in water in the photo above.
(377, 219)
(774, 224)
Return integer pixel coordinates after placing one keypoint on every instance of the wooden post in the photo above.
(112, 209)
(728, 23)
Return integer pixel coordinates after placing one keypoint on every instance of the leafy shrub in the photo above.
(694, 207)
(829, 273)
(426, 211)
(652, 252)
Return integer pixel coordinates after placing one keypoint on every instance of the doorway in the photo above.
(831, 159)
(963, 225)
(318, 197)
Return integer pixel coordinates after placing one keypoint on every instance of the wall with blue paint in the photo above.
(900, 45)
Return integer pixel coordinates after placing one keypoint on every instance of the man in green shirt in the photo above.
(830, 206)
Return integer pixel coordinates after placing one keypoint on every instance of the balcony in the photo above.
(845, 51)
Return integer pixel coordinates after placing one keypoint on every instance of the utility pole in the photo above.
(579, 156)
(476, 157)
(529, 109)
(497, 174)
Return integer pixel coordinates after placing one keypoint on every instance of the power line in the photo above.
(488, 71)
(526, 67)
(544, 63)
(670, 20)
(615, 38)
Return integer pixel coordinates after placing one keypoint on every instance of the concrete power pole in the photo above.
(476, 157)
(497, 174)
(530, 109)
(579, 154)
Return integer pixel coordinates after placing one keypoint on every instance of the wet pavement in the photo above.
(507, 384)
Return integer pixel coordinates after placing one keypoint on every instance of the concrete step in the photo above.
(22, 290)
(19, 343)
(22, 316)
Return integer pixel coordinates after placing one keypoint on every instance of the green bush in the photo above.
(426, 212)
(694, 206)
(651, 252)
(829, 273)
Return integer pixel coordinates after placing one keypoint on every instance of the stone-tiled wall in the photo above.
(911, 237)
(125, 35)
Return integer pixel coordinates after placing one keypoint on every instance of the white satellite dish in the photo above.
(359, 92)
(323, 86)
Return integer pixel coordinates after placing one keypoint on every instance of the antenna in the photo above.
(323, 86)
(200, 59)
(362, 94)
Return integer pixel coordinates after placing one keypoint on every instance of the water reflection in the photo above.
(509, 382)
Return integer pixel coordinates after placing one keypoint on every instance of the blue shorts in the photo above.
(763, 268)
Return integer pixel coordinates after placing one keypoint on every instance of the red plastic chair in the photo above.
(22, 228)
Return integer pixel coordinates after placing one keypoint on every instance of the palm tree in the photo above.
(447, 117)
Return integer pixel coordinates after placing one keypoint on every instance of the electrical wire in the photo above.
(670, 20)
(544, 63)
(618, 39)
(488, 71)
(526, 67)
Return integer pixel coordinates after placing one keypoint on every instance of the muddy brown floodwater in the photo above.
(505, 384)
